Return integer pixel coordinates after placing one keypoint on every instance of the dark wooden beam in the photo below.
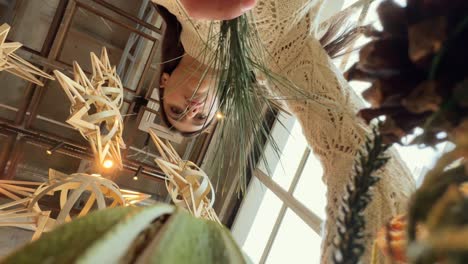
(70, 149)
(5, 153)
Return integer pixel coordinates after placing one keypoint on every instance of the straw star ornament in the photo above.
(14, 64)
(14, 210)
(95, 108)
(188, 185)
(22, 207)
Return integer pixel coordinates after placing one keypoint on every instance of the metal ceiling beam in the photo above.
(73, 150)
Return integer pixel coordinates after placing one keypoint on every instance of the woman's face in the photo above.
(188, 100)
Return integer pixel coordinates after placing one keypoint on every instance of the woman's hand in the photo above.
(217, 9)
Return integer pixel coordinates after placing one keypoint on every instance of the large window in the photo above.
(281, 215)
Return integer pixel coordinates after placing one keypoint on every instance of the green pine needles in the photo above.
(351, 227)
(238, 55)
(244, 108)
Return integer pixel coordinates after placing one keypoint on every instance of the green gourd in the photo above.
(156, 234)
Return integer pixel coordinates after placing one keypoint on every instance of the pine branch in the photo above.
(239, 55)
(234, 49)
(351, 227)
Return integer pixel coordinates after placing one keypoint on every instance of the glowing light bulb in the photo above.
(51, 150)
(219, 115)
(140, 169)
(108, 164)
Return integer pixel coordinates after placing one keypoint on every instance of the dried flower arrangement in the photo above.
(419, 72)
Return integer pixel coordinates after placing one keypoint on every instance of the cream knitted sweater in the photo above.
(329, 122)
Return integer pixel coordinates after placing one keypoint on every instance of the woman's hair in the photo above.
(172, 52)
(172, 49)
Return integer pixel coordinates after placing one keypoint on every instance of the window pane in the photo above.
(348, 3)
(420, 160)
(291, 145)
(262, 216)
(296, 242)
(310, 189)
(28, 15)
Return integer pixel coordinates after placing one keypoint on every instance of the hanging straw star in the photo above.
(95, 109)
(188, 185)
(14, 64)
(16, 212)
(23, 206)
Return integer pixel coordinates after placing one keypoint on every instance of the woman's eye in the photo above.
(176, 110)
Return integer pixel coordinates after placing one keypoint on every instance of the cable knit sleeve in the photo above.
(332, 129)
(335, 134)
(328, 117)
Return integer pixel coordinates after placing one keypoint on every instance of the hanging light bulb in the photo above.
(108, 164)
(219, 115)
(51, 150)
(137, 173)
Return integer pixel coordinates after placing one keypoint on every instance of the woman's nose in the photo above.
(193, 110)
